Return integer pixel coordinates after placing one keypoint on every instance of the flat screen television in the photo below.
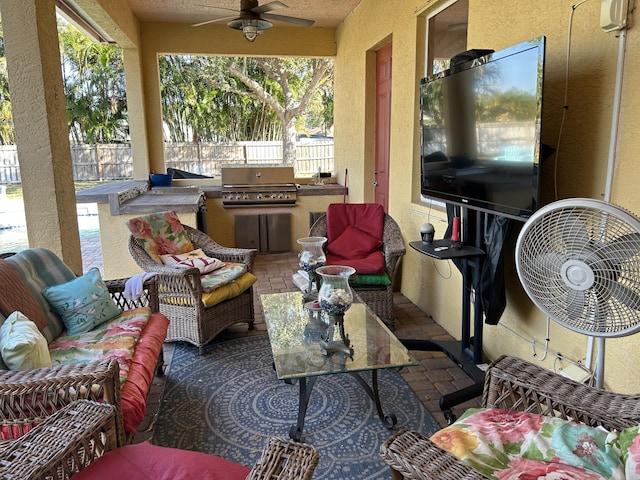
(480, 131)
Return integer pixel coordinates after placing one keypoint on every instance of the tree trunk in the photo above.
(289, 142)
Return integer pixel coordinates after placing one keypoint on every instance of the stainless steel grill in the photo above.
(248, 186)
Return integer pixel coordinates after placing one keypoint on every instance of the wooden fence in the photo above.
(113, 161)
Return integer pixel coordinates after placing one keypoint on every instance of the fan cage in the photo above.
(595, 244)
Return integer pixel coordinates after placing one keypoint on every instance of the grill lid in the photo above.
(247, 176)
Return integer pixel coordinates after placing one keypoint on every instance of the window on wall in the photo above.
(446, 35)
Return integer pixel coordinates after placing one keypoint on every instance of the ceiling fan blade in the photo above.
(622, 248)
(268, 7)
(295, 20)
(575, 303)
(574, 231)
(223, 19)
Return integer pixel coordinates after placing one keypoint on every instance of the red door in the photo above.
(383, 126)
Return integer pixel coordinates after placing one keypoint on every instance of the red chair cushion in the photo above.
(354, 243)
(373, 264)
(368, 217)
(354, 236)
(147, 461)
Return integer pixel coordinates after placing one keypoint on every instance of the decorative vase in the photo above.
(335, 298)
(312, 257)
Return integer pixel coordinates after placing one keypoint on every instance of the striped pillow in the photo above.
(16, 296)
(41, 268)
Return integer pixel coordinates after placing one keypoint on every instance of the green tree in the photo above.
(93, 75)
(6, 115)
(297, 79)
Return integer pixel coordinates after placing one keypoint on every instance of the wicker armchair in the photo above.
(180, 293)
(515, 384)
(74, 437)
(378, 298)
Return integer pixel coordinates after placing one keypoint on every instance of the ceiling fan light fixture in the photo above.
(250, 28)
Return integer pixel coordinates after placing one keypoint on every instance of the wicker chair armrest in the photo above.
(416, 457)
(226, 254)
(285, 460)
(149, 295)
(62, 444)
(515, 384)
(27, 397)
(319, 227)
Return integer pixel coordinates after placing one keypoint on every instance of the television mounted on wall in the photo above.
(480, 126)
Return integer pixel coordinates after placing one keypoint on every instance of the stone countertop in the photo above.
(137, 197)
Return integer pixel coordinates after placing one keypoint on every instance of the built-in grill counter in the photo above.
(199, 203)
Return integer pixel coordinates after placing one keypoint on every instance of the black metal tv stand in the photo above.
(466, 353)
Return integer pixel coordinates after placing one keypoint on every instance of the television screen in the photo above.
(480, 131)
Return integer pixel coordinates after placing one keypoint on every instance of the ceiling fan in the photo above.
(253, 19)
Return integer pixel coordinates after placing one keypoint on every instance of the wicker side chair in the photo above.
(180, 292)
(378, 298)
(76, 436)
(513, 384)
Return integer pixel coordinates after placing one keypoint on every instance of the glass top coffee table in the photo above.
(302, 350)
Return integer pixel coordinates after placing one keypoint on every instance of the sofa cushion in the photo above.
(508, 444)
(145, 460)
(160, 234)
(22, 345)
(115, 338)
(141, 371)
(83, 302)
(354, 243)
(15, 295)
(41, 268)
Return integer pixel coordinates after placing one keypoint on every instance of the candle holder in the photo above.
(311, 257)
(335, 298)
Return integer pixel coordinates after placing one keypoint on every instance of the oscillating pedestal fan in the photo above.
(579, 261)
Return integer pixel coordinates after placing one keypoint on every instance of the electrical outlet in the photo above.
(613, 15)
(574, 372)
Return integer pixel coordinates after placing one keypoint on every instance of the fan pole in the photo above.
(617, 100)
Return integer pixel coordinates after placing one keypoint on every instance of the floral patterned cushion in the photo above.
(630, 447)
(222, 276)
(160, 234)
(113, 339)
(503, 444)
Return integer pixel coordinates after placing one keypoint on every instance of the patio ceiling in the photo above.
(325, 13)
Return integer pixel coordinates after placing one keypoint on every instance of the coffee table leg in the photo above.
(390, 420)
(295, 432)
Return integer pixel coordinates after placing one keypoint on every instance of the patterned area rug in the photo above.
(230, 401)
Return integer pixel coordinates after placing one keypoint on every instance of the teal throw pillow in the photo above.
(83, 302)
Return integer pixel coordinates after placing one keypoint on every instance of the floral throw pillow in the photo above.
(160, 234)
(504, 444)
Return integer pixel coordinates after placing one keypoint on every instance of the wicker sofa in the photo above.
(82, 438)
(513, 384)
(81, 368)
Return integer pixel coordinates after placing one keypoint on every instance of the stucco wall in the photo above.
(581, 170)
